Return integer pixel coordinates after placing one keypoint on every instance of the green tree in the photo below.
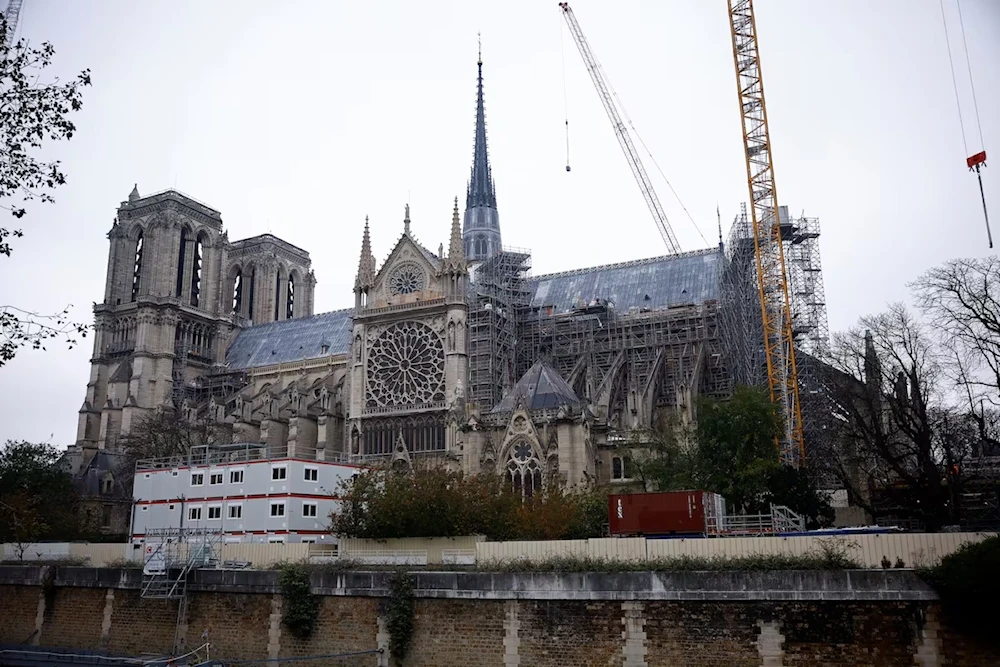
(662, 459)
(796, 489)
(32, 112)
(437, 502)
(37, 499)
(736, 454)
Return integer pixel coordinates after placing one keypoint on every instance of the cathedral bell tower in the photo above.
(163, 303)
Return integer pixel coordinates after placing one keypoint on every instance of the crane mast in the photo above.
(11, 14)
(652, 201)
(772, 281)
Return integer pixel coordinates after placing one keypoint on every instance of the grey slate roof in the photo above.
(539, 388)
(659, 282)
(291, 340)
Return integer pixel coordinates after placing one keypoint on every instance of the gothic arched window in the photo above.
(181, 255)
(199, 249)
(238, 292)
(137, 267)
(524, 470)
(481, 245)
(290, 297)
(250, 294)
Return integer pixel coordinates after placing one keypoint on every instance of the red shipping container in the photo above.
(667, 513)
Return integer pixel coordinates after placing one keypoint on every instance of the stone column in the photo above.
(633, 634)
(769, 644)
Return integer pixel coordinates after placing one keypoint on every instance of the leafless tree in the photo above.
(884, 388)
(163, 433)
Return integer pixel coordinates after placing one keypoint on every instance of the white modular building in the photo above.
(239, 492)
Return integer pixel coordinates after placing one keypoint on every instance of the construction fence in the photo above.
(871, 550)
(913, 549)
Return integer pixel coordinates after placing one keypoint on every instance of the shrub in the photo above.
(301, 607)
(436, 502)
(967, 584)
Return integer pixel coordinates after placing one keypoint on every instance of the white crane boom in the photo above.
(631, 155)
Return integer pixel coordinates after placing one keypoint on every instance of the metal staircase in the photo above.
(170, 556)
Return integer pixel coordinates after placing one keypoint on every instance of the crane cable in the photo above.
(628, 119)
(973, 161)
(562, 53)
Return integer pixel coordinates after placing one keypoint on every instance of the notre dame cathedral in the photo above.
(458, 357)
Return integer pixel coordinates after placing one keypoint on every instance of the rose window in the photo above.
(406, 366)
(406, 279)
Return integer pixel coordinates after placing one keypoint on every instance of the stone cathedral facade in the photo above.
(457, 357)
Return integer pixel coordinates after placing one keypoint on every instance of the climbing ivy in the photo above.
(397, 610)
(301, 607)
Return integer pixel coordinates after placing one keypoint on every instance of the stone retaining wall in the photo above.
(469, 618)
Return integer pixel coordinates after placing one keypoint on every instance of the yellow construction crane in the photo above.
(772, 281)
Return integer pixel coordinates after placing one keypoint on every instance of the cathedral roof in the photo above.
(656, 283)
(659, 282)
(541, 387)
(292, 340)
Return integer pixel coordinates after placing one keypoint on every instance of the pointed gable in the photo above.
(410, 273)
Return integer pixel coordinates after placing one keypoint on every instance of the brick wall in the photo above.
(18, 611)
(448, 632)
(141, 626)
(344, 625)
(481, 620)
(236, 623)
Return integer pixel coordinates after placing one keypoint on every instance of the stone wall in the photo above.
(506, 620)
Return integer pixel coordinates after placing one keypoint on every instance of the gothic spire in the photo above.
(406, 220)
(480, 192)
(366, 265)
(481, 228)
(456, 256)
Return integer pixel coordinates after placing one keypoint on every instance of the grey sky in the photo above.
(300, 118)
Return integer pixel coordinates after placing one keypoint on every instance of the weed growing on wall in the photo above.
(397, 610)
(301, 607)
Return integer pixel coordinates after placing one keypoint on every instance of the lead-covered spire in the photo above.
(480, 192)
(481, 228)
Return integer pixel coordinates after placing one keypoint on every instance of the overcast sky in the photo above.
(301, 118)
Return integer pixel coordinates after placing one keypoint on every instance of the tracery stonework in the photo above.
(405, 366)
(524, 470)
(406, 279)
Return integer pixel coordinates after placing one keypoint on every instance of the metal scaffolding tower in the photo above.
(498, 297)
(805, 282)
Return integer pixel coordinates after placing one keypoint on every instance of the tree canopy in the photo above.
(437, 502)
(37, 499)
(33, 112)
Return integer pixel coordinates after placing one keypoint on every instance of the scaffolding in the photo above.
(634, 362)
(805, 282)
(171, 554)
(743, 332)
(741, 321)
(498, 296)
